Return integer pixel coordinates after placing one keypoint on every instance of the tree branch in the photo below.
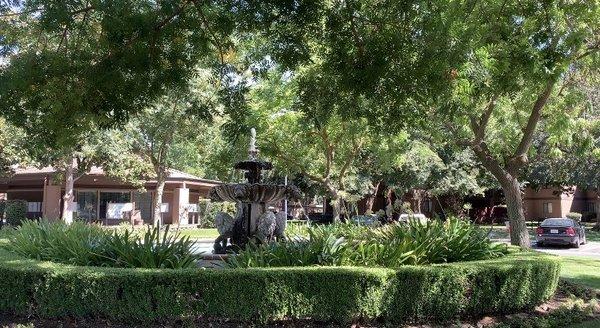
(349, 160)
(519, 158)
(215, 40)
(479, 126)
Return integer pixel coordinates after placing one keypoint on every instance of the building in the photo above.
(557, 202)
(102, 199)
(490, 207)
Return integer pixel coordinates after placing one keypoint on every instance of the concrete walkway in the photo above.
(203, 246)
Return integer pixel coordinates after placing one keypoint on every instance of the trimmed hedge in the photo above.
(341, 294)
(16, 211)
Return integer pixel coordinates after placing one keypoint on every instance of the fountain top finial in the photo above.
(252, 151)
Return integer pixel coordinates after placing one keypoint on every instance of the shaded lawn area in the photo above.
(501, 232)
(582, 270)
(203, 233)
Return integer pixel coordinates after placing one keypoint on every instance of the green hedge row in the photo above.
(342, 294)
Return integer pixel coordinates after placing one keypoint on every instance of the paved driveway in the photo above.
(591, 249)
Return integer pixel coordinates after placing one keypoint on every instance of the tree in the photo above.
(302, 128)
(170, 122)
(489, 72)
(12, 141)
(71, 67)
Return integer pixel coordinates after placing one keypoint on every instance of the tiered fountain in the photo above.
(252, 220)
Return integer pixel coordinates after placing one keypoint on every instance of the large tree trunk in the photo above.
(336, 205)
(514, 203)
(370, 201)
(69, 195)
(158, 195)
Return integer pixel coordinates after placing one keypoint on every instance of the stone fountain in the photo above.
(252, 220)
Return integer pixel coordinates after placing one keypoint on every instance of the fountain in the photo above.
(252, 220)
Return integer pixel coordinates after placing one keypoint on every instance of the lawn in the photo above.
(205, 233)
(582, 270)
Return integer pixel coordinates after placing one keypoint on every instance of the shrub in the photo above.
(2, 207)
(574, 216)
(15, 211)
(88, 244)
(342, 294)
(391, 246)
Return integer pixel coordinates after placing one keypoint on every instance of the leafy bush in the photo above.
(91, 245)
(153, 250)
(15, 211)
(342, 294)
(574, 216)
(390, 246)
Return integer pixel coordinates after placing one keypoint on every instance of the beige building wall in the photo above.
(51, 203)
(181, 198)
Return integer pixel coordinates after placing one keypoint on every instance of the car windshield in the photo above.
(557, 223)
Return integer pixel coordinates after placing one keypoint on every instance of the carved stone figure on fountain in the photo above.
(252, 220)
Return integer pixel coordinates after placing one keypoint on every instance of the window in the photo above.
(591, 207)
(112, 197)
(547, 208)
(143, 202)
(87, 202)
(34, 207)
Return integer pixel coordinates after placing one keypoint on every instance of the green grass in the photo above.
(582, 270)
(592, 235)
(501, 232)
(200, 233)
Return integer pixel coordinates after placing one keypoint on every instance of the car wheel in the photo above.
(539, 244)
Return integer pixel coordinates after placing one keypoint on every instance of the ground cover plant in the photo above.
(393, 245)
(91, 245)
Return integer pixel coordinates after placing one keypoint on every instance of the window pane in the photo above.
(112, 197)
(87, 205)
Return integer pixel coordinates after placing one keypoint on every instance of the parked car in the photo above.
(560, 231)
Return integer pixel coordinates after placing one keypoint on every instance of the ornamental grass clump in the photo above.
(91, 245)
(412, 243)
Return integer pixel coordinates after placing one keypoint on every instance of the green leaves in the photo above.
(389, 246)
(91, 245)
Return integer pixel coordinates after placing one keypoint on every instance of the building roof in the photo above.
(35, 173)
